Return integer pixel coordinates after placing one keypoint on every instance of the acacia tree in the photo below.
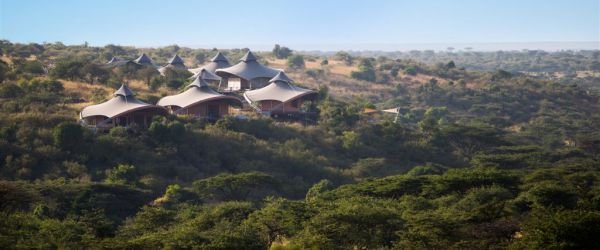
(226, 187)
(94, 72)
(366, 71)
(279, 218)
(468, 140)
(281, 52)
(68, 69)
(147, 73)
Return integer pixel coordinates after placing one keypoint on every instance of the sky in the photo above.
(306, 25)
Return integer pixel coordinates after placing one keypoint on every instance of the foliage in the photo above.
(281, 52)
(366, 71)
(295, 61)
(68, 69)
(68, 136)
(122, 174)
(244, 186)
(474, 160)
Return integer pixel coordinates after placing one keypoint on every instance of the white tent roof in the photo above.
(197, 92)
(122, 102)
(280, 89)
(393, 110)
(248, 68)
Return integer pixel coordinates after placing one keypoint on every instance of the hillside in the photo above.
(474, 160)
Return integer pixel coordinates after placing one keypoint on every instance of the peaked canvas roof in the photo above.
(163, 70)
(176, 60)
(175, 63)
(116, 62)
(248, 57)
(248, 68)
(123, 91)
(219, 57)
(281, 77)
(144, 60)
(206, 75)
(197, 92)
(122, 102)
(280, 89)
(219, 61)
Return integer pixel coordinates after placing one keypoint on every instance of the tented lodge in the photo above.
(247, 74)
(175, 63)
(122, 110)
(268, 91)
(280, 96)
(200, 101)
(144, 60)
(209, 77)
(118, 62)
(219, 61)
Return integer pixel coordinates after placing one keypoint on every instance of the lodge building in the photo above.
(268, 91)
(247, 74)
(280, 96)
(200, 101)
(121, 110)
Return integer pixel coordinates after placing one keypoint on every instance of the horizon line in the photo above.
(368, 46)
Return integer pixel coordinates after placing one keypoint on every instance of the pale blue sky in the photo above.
(304, 24)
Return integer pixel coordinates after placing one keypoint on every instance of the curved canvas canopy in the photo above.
(144, 60)
(219, 61)
(248, 68)
(206, 75)
(122, 102)
(279, 89)
(197, 92)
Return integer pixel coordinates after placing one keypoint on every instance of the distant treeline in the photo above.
(512, 61)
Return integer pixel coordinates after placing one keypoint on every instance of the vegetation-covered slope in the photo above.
(476, 160)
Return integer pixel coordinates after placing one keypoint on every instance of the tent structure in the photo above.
(117, 62)
(200, 101)
(144, 60)
(212, 79)
(174, 63)
(206, 75)
(122, 110)
(247, 74)
(280, 96)
(219, 61)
